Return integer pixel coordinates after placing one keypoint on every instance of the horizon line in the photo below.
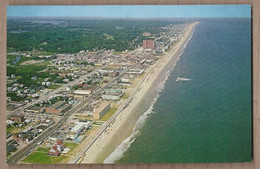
(105, 17)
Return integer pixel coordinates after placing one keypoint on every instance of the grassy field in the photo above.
(40, 156)
(109, 114)
(12, 129)
(41, 149)
(71, 146)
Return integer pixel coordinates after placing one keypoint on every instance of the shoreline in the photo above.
(122, 128)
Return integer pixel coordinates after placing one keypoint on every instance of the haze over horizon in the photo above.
(132, 11)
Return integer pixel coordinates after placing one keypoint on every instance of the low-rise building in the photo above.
(100, 110)
(35, 109)
(57, 149)
(55, 137)
(135, 72)
(112, 94)
(17, 118)
(81, 93)
(58, 108)
(77, 129)
(46, 123)
(11, 146)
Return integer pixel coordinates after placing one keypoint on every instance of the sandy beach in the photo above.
(123, 126)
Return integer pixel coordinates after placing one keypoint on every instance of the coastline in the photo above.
(125, 122)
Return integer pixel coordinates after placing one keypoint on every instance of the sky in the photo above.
(133, 11)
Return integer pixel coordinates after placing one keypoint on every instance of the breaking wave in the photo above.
(123, 147)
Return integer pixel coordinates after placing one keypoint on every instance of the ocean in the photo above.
(207, 118)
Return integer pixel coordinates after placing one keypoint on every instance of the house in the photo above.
(57, 149)
(54, 151)
(114, 74)
(66, 80)
(17, 118)
(61, 144)
(9, 89)
(27, 130)
(27, 121)
(15, 89)
(48, 84)
(34, 78)
(9, 122)
(33, 132)
(28, 138)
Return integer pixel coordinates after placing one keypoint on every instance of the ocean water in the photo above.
(205, 119)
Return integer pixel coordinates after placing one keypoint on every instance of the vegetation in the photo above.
(40, 155)
(24, 74)
(125, 96)
(73, 35)
(54, 86)
(70, 145)
(14, 97)
(108, 114)
(41, 149)
(11, 129)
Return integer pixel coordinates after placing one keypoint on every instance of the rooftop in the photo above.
(101, 106)
(58, 105)
(79, 125)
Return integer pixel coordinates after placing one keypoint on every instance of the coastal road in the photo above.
(82, 154)
(53, 129)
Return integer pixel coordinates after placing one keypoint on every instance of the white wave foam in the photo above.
(123, 147)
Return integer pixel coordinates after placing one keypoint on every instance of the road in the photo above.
(168, 54)
(53, 129)
(51, 93)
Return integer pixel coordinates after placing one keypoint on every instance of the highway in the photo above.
(168, 54)
(53, 129)
(16, 157)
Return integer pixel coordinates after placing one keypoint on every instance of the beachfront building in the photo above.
(80, 94)
(100, 110)
(112, 94)
(135, 72)
(58, 108)
(77, 129)
(124, 82)
(148, 44)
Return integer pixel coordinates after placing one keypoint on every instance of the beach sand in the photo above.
(122, 128)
